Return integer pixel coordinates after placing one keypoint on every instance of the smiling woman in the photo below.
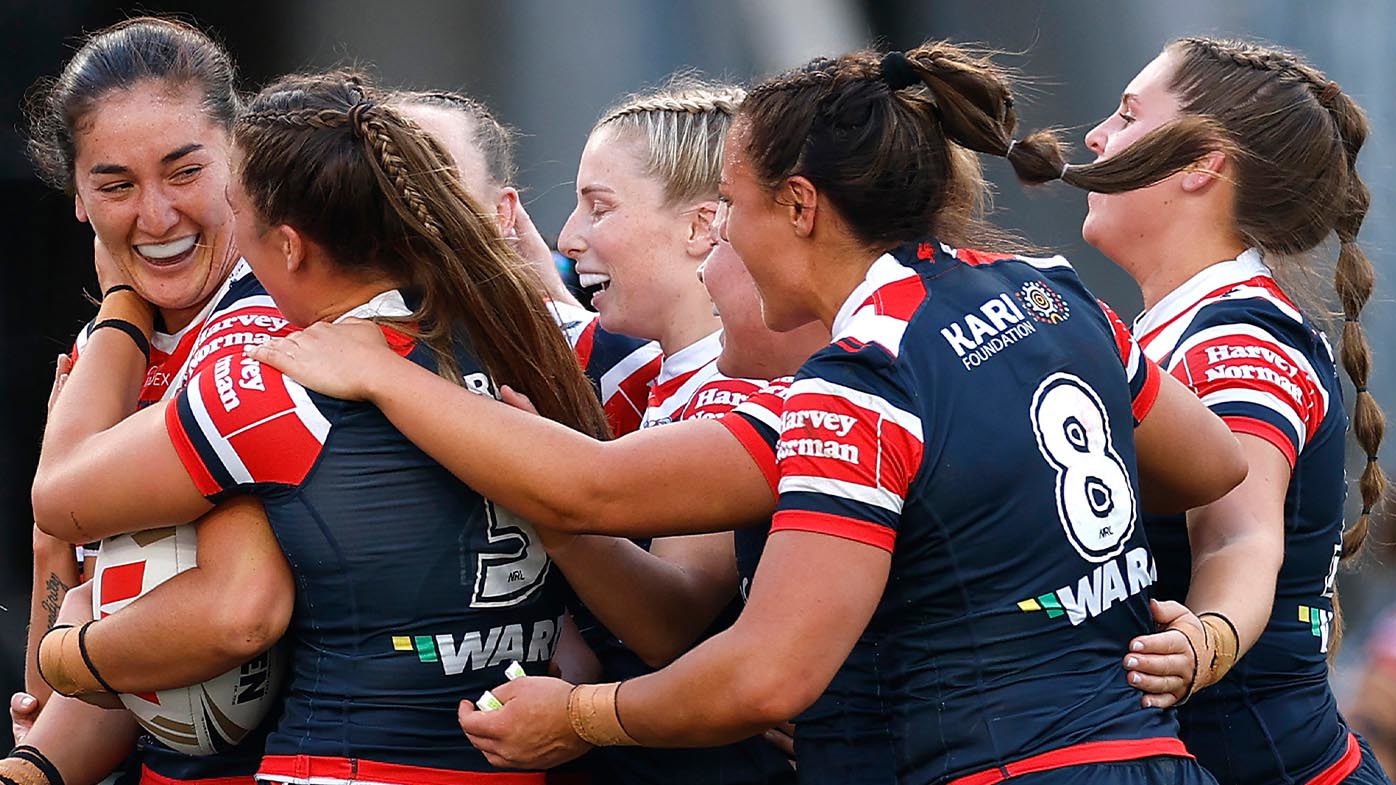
(151, 169)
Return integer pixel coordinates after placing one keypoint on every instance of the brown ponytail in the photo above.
(320, 153)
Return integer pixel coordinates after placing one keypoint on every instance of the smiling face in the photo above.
(628, 241)
(1117, 220)
(151, 170)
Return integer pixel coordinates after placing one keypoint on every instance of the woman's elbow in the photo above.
(250, 626)
(772, 697)
(52, 513)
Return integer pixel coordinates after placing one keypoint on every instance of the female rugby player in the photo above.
(1206, 247)
(410, 587)
(954, 473)
(136, 128)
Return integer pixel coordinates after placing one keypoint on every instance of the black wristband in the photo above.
(35, 756)
(142, 342)
(7, 781)
(87, 658)
(121, 287)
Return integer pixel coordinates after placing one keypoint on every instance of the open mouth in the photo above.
(170, 253)
(594, 282)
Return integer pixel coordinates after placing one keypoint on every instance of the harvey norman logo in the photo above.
(976, 337)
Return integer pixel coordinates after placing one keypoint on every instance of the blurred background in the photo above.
(550, 67)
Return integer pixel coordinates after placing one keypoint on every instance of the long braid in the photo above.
(364, 182)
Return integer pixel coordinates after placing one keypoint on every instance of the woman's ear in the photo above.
(1204, 173)
(802, 204)
(505, 207)
(294, 247)
(699, 240)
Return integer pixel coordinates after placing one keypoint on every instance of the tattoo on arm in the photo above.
(54, 588)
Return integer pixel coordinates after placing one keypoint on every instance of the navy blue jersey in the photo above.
(974, 416)
(412, 591)
(1232, 335)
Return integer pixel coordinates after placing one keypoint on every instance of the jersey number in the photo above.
(514, 572)
(1095, 499)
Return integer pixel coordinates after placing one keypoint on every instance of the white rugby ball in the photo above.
(205, 718)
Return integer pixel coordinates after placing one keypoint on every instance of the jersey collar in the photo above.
(690, 358)
(884, 270)
(389, 303)
(1209, 279)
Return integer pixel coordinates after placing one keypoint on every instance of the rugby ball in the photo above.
(205, 718)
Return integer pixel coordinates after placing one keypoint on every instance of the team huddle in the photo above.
(831, 481)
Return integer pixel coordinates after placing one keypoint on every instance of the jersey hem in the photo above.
(835, 526)
(1079, 755)
(318, 770)
(1266, 431)
(1341, 768)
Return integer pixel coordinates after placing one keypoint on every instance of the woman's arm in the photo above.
(84, 742)
(55, 572)
(685, 478)
(658, 601)
(1238, 545)
(1187, 456)
(104, 470)
(209, 619)
(797, 629)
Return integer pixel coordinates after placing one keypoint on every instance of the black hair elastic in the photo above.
(898, 72)
(121, 287)
(7, 781)
(87, 658)
(1223, 617)
(40, 761)
(356, 116)
(142, 342)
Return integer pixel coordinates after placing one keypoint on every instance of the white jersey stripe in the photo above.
(1264, 399)
(307, 411)
(877, 405)
(228, 456)
(877, 497)
(1267, 341)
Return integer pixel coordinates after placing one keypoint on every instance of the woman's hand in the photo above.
(1167, 665)
(532, 731)
(77, 606)
(24, 709)
(109, 273)
(339, 360)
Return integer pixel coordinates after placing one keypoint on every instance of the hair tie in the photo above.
(1360, 390)
(1012, 143)
(1372, 459)
(1062, 175)
(898, 72)
(1329, 92)
(357, 120)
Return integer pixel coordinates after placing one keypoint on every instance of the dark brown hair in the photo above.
(322, 154)
(118, 58)
(1296, 183)
(884, 137)
(1292, 138)
(493, 139)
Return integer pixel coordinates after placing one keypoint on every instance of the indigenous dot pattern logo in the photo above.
(1042, 303)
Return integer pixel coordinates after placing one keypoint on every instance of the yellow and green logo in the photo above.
(423, 645)
(1043, 602)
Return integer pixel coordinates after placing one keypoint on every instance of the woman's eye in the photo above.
(115, 188)
(187, 173)
(1126, 117)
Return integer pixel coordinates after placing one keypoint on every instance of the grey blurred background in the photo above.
(549, 68)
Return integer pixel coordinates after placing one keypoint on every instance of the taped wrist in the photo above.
(591, 708)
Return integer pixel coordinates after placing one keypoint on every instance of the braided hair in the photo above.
(683, 126)
(324, 154)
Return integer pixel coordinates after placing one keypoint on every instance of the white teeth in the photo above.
(589, 280)
(167, 250)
